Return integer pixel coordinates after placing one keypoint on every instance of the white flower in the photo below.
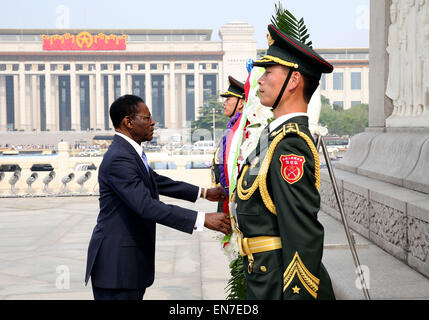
(256, 114)
(231, 249)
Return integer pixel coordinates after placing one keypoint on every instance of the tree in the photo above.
(341, 123)
(205, 119)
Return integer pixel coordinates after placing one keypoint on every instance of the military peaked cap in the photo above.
(236, 89)
(286, 50)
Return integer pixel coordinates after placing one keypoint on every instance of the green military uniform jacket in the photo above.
(279, 197)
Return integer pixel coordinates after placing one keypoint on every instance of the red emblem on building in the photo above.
(84, 41)
(292, 168)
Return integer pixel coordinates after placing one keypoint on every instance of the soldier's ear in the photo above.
(295, 80)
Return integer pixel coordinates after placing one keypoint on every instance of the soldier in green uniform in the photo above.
(232, 108)
(277, 197)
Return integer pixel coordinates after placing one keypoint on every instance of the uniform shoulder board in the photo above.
(288, 128)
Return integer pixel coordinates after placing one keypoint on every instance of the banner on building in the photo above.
(84, 41)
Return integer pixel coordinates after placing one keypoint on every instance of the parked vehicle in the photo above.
(42, 167)
(89, 153)
(85, 167)
(206, 145)
(198, 165)
(9, 167)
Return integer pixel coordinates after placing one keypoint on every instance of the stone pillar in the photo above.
(92, 102)
(48, 99)
(74, 98)
(55, 102)
(111, 93)
(129, 78)
(183, 101)
(222, 77)
(124, 86)
(35, 102)
(383, 179)
(197, 89)
(347, 88)
(167, 94)
(99, 96)
(24, 125)
(148, 86)
(381, 107)
(171, 105)
(29, 106)
(16, 98)
(3, 109)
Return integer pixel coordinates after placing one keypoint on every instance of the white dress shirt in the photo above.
(199, 223)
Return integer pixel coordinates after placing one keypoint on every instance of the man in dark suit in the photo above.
(121, 253)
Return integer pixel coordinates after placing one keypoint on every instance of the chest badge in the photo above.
(292, 168)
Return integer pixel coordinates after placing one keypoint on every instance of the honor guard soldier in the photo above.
(277, 196)
(232, 108)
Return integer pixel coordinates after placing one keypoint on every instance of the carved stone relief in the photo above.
(408, 48)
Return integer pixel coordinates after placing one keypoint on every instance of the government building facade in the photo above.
(65, 80)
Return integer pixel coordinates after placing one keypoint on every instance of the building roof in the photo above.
(134, 34)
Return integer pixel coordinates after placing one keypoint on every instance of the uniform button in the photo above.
(245, 183)
(263, 269)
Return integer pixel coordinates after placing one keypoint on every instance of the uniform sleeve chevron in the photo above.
(297, 267)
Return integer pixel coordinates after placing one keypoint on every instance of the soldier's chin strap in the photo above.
(235, 109)
(276, 104)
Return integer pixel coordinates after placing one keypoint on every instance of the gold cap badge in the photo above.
(270, 39)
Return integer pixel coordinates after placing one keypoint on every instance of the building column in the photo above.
(167, 119)
(17, 124)
(221, 77)
(56, 102)
(172, 105)
(183, 100)
(347, 88)
(148, 86)
(129, 78)
(35, 102)
(48, 100)
(201, 89)
(99, 97)
(111, 95)
(74, 101)
(124, 87)
(3, 106)
(22, 101)
(92, 102)
(197, 89)
(29, 112)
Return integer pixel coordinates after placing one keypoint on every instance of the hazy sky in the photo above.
(331, 23)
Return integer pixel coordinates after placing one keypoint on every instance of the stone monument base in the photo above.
(383, 181)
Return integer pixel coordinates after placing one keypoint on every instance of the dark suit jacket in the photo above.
(121, 253)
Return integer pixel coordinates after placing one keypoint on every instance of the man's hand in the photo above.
(218, 221)
(216, 194)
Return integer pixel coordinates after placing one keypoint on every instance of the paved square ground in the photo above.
(44, 241)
